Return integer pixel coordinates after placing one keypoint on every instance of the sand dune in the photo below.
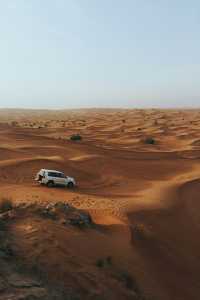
(174, 251)
(143, 198)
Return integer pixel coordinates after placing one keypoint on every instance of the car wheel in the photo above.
(70, 185)
(50, 184)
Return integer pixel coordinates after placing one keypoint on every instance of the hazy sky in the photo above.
(98, 53)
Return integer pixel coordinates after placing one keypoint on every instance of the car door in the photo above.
(52, 176)
(58, 178)
(62, 179)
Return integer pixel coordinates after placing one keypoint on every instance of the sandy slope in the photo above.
(144, 197)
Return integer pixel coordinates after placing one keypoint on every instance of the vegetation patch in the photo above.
(150, 141)
(76, 137)
(100, 263)
(128, 281)
(103, 262)
(142, 233)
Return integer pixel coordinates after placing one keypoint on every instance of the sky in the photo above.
(99, 53)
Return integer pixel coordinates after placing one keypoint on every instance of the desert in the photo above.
(137, 196)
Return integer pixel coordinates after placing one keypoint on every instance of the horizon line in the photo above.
(100, 108)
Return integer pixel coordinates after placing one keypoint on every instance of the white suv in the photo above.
(52, 178)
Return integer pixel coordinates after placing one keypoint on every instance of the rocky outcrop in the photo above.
(15, 283)
(67, 214)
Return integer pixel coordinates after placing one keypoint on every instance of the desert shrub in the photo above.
(128, 280)
(76, 137)
(100, 263)
(5, 205)
(14, 123)
(138, 232)
(150, 141)
(142, 233)
(130, 283)
(155, 122)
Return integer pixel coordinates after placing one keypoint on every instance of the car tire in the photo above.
(50, 184)
(70, 185)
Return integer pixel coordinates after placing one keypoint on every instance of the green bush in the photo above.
(150, 141)
(76, 137)
(100, 263)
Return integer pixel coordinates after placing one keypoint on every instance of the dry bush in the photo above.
(156, 122)
(14, 123)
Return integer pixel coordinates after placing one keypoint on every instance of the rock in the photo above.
(19, 281)
(66, 214)
(26, 294)
(8, 215)
(48, 212)
(81, 219)
(62, 206)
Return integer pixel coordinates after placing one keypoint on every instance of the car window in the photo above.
(52, 174)
(62, 175)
